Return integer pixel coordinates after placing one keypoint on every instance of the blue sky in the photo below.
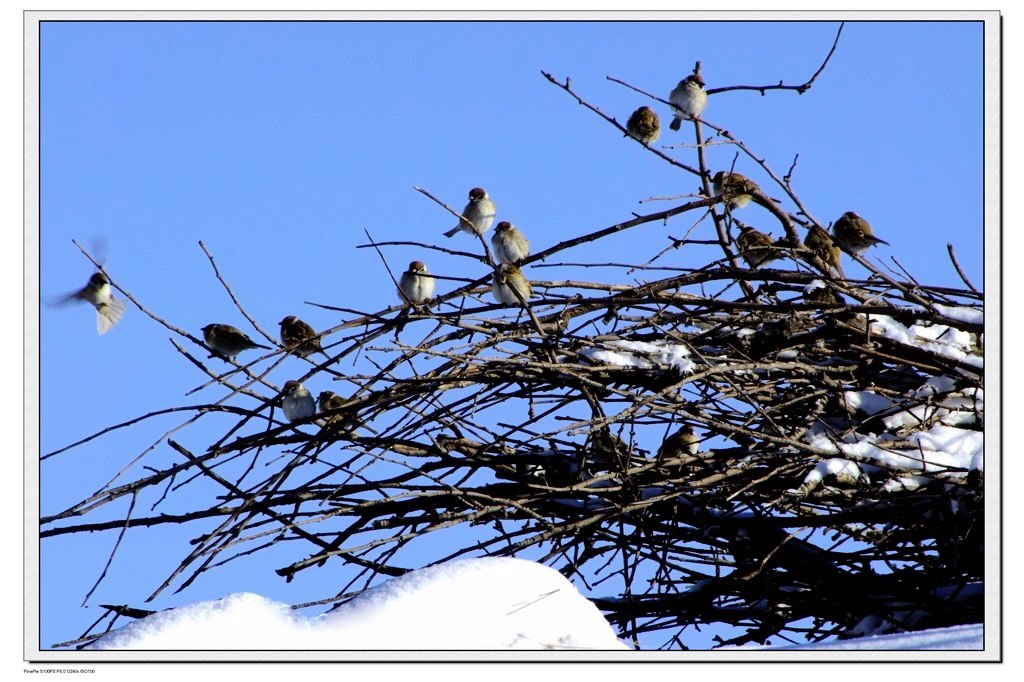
(277, 144)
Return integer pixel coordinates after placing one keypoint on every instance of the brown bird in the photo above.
(643, 125)
(416, 284)
(509, 244)
(228, 341)
(756, 247)
(853, 233)
(683, 442)
(824, 250)
(478, 214)
(341, 422)
(736, 188)
(329, 400)
(508, 279)
(608, 449)
(298, 337)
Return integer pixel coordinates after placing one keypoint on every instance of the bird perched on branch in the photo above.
(736, 188)
(297, 401)
(853, 233)
(336, 423)
(508, 279)
(756, 247)
(606, 448)
(416, 284)
(682, 442)
(689, 99)
(298, 337)
(97, 292)
(329, 400)
(478, 214)
(510, 245)
(643, 125)
(228, 341)
(823, 248)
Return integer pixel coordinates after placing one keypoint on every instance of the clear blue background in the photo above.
(276, 144)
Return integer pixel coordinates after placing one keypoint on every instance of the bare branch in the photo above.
(959, 271)
(739, 446)
(799, 89)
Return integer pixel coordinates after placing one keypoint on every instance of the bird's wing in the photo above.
(109, 314)
(64, 299)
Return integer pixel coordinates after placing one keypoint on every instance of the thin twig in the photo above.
(135, 301)
(959, 271)
(799, 89)
(113, 551)
(234, 299)
(567, 86)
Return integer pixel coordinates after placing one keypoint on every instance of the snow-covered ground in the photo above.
(471, 604)
(488, 604)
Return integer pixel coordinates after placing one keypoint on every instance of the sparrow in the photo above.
(823, 248)
(479, 213)
(329, 400)
(608, 448)
(298, 337)
(416, 286)
(756, 247)
(681, 443)
(510, 246)
(228, 341)
(643, 125)
(736, 188)
(506, 279)
(97, 292)
(688, 98)
(853, 234)
(297, 401)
